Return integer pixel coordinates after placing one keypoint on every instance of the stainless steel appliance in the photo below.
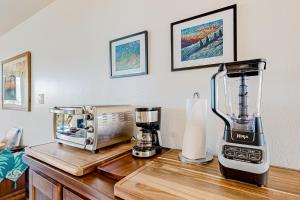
(243, 153)
(93, 127)
(148, 136)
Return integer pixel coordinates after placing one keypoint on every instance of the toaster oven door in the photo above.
(70, 124)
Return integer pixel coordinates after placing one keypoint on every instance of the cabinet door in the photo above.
(68, 195)
(43, 188)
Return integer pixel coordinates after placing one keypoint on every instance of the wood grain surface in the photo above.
(68, 195)
(18, 195)
(8, 190)
(168, 178)
(74, 160)
(43, 188)
(124, 165)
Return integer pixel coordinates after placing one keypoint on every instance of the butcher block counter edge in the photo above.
(84, 163)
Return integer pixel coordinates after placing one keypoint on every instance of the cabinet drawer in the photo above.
(68, 195)
(42, 187)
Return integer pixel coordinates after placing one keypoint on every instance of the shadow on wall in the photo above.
(172, 135)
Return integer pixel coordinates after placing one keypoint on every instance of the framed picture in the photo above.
(16, 88)
(129, 55)
(204, 40)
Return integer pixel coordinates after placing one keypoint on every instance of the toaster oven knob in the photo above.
(90, 129)
(89, 141)
(89, 117)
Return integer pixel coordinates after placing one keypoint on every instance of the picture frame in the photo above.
(129, 55)
(204, 40)
(16, 82)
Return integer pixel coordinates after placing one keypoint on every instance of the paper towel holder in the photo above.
(200, 161)
(196, 95)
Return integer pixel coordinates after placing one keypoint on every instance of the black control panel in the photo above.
(242, 154)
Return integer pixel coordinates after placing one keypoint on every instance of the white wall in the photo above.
(69, 42)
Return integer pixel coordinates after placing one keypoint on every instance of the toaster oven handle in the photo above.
(67, 110)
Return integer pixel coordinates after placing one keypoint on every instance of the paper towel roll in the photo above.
(194, 140)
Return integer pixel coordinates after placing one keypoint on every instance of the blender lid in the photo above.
(250, 67)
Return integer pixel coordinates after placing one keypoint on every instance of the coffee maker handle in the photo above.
(215, 99)
(159, 138)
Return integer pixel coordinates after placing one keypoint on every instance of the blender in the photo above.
(243, 153)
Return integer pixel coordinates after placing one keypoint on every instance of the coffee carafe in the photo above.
(243, 153)
(148, 139)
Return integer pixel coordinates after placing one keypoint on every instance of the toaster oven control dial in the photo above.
(89, 116)
(89, 141)
(90, 129)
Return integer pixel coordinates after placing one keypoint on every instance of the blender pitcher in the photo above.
(243, 147)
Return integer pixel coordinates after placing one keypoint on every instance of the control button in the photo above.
(89, 141)
(232, 148)
(244, 150)
(229, 153)
(254, 157)
(226, 147)
(252, 151)
(241, 155)
(89, 117)
(256, 151)
(238, 149)
(90, 129)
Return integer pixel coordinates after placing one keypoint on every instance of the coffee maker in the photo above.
(148, 138)
(243, 153)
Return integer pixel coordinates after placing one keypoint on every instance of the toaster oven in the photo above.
(93, 127)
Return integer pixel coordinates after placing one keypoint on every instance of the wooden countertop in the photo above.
(124, 165)
(283, 183)
(169, 179)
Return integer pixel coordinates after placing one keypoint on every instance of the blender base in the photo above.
(248, 177)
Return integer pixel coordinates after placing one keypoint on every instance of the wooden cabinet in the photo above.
(68, 195)
(46, 182)
(43, 188)
(10, 190)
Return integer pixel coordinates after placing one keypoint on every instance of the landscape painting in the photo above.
(128, 56)
(10, 88)
(14, 75)
(16, 82)
(202, 41)
(205, 40)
